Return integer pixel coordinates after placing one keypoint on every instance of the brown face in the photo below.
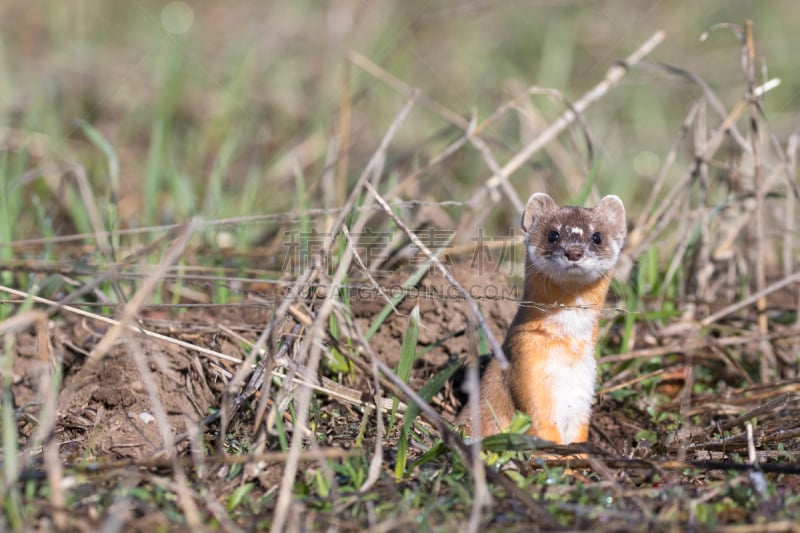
(573, 245)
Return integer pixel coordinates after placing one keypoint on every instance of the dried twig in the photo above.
(496, 349)
(130, 327)
(311, 344)
(613, 76)
(144, 293)
(402, 87)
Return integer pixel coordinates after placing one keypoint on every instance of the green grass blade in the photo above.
(112, 214)
(407, 284)
(98, 139)
(408, 353)
(304, 220)
(213, 206)
(154, 172)
(427, 392)
(431, 387)
(238, 495)
(9, 488)
(590, 179)
(8, 213)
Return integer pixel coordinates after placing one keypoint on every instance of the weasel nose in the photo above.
(574, 254)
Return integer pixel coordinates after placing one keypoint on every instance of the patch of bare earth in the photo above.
(105, 409)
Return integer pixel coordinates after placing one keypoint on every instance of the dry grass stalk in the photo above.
(533, 121)
(316, 331)
(767, 360)
(402, 87)
(613, 76)
(116, 323)
(144, 293)
(496, 349)
(501, 175)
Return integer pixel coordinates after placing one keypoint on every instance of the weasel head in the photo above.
(573, 246)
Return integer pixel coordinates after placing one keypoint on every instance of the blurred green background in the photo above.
(218, 108)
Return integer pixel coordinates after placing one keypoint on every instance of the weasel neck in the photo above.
(543, 296)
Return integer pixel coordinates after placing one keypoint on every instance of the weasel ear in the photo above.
(538, 204)
(612, 208)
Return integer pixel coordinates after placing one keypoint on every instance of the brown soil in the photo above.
(121, 405)
(104, 406)
(105, 409)
(444, 315)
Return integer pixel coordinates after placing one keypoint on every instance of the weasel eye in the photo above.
(553, 236)
(597, 238)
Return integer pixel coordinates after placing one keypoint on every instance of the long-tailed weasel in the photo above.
(569, 261)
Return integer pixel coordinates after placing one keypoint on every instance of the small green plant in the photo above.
(239, 495)
(9, 490)
(408, 354)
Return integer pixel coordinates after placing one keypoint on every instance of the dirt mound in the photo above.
(105, 407)
(444, 314)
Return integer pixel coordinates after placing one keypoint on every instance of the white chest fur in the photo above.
(570, 376)
(575, 322)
